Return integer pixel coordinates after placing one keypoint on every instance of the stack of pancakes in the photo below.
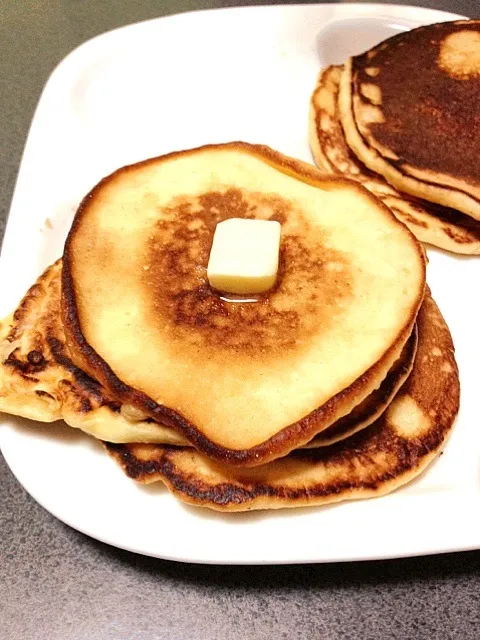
(403, 120)
(338, 383)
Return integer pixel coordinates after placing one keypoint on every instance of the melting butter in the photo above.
(244, 256)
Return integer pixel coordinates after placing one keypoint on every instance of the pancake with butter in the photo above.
(39, 381)
(244, 382)
(409, 109)
(431, 223)
(375, 461)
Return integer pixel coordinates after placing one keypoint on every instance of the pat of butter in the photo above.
(244, 255)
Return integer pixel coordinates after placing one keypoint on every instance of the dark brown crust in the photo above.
(452, 216)
(434, 390)
(468, 228)
(427, 111)
(289, 437)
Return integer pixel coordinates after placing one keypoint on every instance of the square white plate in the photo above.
(175, 83)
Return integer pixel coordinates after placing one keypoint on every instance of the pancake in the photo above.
(375, 461)
(374, 405)
(409, 109)
(39, 381)
(431, 223)
(243, 382)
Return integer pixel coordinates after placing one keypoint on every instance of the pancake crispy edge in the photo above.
(39, 381)
(432, 223)
(375, 461)
(288, 437)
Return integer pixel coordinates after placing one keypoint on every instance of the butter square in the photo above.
(244, 256)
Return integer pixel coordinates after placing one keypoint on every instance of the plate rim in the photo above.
(67, 65)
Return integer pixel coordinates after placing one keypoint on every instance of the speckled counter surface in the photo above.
(57, 584)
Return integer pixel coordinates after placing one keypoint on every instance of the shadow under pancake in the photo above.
(57, 431)
(238, 518)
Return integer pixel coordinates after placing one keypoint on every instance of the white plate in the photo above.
(175, 83)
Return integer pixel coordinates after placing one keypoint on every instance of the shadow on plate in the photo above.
(340, 39)
(237, 518)
(57, 431)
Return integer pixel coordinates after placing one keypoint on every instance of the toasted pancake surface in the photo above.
(244, 382)
(409, 111)
(39, 381)
(375, 461)
(431, 223)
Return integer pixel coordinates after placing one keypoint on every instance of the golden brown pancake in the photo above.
(374, 405)
(409, 109)
(373, 462)
(431, 223)
(243, 382)
(39, 381)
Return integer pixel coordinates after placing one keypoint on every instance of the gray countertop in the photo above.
(58, 584)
